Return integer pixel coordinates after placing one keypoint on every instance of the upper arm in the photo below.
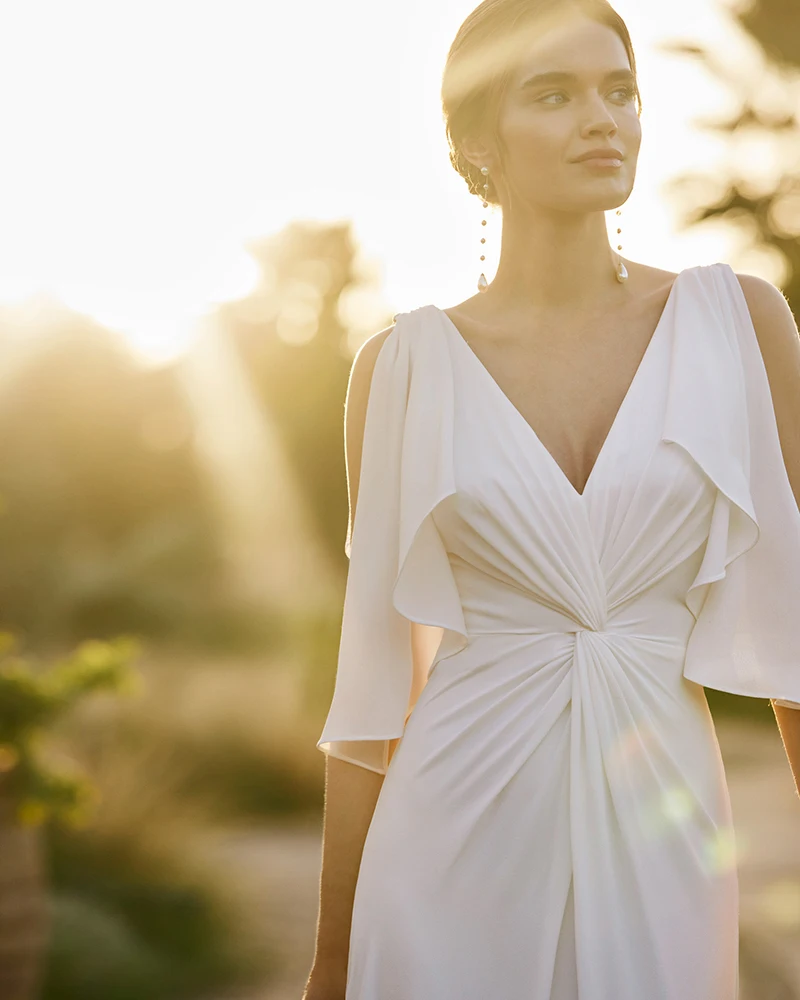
(779, 341)
(355, 411)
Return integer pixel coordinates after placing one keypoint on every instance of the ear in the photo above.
(477, 151)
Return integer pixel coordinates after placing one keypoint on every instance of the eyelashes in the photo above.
(628, 91)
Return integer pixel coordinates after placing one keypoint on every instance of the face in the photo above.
(587, 100)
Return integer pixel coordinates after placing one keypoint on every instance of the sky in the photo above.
(146, 143)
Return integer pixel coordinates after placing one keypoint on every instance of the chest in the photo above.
(568, 387)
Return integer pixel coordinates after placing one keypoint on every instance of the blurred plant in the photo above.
(30, 701)
(32, 790)
(137, 918)
(295, 332)
(103, 894)
(107, 525)
(141, 908)
(756, 191)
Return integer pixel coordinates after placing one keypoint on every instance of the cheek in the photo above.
(630, 128)
(539, 142)
(535, 138)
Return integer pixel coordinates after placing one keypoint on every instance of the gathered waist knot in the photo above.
(670, 622)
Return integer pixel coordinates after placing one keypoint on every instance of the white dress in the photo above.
(555, 823)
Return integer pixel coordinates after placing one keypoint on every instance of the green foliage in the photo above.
(231, 626)
(134, 923)
(142, 910)
(106, 522)
(775, 26)
(96, 956)
(735, 196)
(31, 700)
(302, 382)
(245, 780)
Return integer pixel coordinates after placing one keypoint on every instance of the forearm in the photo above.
(351, 792)
(789, 725)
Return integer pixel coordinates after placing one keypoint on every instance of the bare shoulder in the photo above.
(360, 379)
(358, 388)
(776, 330)
(779, 342)
(771, 314)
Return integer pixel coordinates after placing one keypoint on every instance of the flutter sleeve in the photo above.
(399, 571)
(746, 596)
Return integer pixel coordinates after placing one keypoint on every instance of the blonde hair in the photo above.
(482, 59)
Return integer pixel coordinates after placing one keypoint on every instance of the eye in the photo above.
(541, 99)
(627, 91)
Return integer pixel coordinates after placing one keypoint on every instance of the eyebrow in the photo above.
(557, 76)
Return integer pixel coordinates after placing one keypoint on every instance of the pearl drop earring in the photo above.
(483, 284)
(621, 270)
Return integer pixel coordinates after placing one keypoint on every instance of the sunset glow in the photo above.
(146, 143)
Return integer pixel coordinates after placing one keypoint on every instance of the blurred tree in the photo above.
(298, 351)
(24, 918)
(764, 203)
(775, 25)
(759, 192)
(32, 792)
(104, 521)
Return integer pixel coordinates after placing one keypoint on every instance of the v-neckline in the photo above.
(504, 398)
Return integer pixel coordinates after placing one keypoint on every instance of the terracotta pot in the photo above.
(24, 910)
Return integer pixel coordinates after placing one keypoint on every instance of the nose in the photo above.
(601, 118)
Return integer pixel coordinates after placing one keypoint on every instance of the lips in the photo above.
(607, 153)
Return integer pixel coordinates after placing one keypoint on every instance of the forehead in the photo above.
(577, 46)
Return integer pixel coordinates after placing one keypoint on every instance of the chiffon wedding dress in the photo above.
(555, 822)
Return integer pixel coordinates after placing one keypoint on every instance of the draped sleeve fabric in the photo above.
(398, 570)
(746, 595)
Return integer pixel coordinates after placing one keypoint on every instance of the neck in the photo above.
(553, 262)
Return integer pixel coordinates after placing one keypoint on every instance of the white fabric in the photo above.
(555, 822)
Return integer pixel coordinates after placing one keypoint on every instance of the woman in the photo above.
(577, 480)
